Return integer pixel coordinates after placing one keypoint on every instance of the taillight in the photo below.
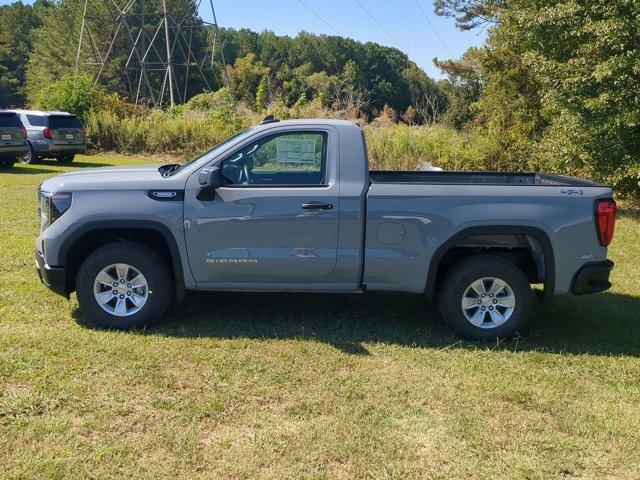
(605, 220)
(47, 133)
(24, 132)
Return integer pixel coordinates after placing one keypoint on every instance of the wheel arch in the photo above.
(90, 236)
(537, 233)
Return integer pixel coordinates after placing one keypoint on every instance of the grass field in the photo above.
(310, 386)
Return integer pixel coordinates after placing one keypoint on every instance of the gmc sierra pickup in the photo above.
(293, 206)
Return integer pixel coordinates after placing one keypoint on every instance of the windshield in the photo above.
(201, 156)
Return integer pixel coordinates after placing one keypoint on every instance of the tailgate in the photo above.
(11, 137)
(12, 132)
(65, 130)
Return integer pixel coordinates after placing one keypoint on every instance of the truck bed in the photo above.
(472, 178)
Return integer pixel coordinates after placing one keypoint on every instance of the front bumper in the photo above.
(53, 277)
(592, 278)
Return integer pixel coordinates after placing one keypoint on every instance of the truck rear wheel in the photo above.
(124, 285)
(485, 297)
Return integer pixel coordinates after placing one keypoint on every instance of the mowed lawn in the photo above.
(310, 386)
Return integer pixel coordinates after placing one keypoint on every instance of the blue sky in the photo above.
(405, 25)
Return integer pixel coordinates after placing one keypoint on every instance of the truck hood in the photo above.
(111, 178)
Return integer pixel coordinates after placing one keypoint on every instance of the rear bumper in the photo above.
(53, 149)
(592, 278)
(53, 277)
(12, 151)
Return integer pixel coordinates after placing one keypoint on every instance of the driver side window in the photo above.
(288, 158)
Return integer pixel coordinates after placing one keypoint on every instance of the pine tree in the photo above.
(262, 94)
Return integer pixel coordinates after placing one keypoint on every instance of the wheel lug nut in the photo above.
(479, 302)
(115, 292)
(122, 281)
(495, 301)
(482, 309)
(128, 285)
(128, 294)
(483, 295)
(490, 308)
(121, 297)
(491, 294)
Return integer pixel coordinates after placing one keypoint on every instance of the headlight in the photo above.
(51, 206)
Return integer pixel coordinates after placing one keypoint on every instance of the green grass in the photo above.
(310, 386)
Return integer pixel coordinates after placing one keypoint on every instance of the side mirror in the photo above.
(209, 179)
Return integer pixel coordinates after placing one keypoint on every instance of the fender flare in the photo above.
(537, 233)
(174, 251)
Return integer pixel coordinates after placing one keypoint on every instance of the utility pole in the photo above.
(225, 77)
(84, 15)
(133, 30)
(168, 43)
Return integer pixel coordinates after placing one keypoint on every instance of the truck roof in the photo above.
(306, 122)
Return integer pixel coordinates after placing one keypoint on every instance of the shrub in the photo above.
(185, 134)
(75, 94)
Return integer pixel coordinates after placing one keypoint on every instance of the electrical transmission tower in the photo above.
(158, 55)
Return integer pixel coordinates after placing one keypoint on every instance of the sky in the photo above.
(419, 32)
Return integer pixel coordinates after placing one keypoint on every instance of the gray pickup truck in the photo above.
(292, 206)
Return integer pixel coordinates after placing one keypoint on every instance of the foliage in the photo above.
(245, 76)
(71, 94)
(343, 73)
(204, 121)
(17, 23)
(262, 95)
(51, 60)
(462, 88)
(470, 14)
(555, 87)
(559, 85)
(586, 57)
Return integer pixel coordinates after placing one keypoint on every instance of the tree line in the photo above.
(261, 67)
(555, 87)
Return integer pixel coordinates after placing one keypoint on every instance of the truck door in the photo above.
(275, 219)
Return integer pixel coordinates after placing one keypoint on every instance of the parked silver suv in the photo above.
(58, 135)
(12, 139)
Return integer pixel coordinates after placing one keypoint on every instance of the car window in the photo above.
(64, 121)
(36, 120)
(9, 119)
(291, 158)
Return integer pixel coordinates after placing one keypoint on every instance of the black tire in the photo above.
(7, 162)
(30, 157)
(66, 157)
(467, 271)
(147, 262)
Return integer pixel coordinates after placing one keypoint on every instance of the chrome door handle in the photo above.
(315, 205)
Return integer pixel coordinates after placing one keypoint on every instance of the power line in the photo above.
(432, 26)
(379, 24)
(321, 18)
(416, 26)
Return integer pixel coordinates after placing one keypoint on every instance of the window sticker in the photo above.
(293, 150)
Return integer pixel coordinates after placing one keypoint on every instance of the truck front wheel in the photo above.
(485, 297)
(124, 285)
